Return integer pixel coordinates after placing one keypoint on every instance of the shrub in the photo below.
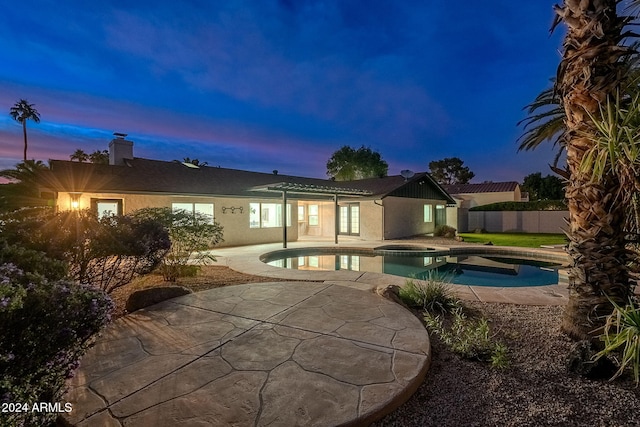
(191, 235)
(431, 295)
(105, 253)
(469, 338)
(621, 339)
(540, 205)
(34, 262)
(444, 231)
(45, 327)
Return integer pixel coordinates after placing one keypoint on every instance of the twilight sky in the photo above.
(268, 84)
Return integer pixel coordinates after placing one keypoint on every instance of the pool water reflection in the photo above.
(468, 269)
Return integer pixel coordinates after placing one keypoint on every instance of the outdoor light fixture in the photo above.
(75, 201)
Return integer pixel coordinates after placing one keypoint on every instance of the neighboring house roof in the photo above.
(154, 176)
(487, 187)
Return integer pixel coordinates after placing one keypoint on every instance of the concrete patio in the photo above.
(286, 354)
(330, 352)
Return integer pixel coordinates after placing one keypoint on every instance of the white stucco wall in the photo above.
(404, 217)
(235, 223)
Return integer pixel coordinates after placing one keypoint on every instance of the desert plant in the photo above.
(191, 234)
(621, 337)
(444, 231)
(105, 253)
(431, 295)
(45, 327)
(469, 338)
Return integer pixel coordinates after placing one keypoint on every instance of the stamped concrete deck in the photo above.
(331, 352)
(278, 354)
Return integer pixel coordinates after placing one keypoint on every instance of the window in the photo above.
(300, 213)
(428, 213)
(350, 262)
(107, 207)
(314, 218)
(205, 209)
(267, 215)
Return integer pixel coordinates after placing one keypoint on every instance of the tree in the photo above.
(347, 164)
(450, 171)
(24, 191)
(105, 253)
(21, 112)
(591, 71)
(79, 155)
(545, 123)
(99, 157)
(548, 188)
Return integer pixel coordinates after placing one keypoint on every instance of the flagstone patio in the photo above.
(282, 353)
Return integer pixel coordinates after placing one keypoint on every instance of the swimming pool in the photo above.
(497, 269)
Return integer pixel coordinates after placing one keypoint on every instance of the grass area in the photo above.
(525, 240)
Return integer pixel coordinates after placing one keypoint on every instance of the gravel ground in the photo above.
(535, 390)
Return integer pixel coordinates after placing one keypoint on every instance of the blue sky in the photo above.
(267, 84)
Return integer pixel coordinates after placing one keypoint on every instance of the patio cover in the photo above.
(311, 189)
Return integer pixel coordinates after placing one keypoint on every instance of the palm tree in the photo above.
(99, 157)
(79, 155)
(545, 123)
(25, 172)
(21, 112)
(591, 71)
(26, 188)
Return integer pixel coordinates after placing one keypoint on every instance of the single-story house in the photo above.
(249, 204)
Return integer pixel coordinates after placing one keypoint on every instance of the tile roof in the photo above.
(162, 177)
(487, 187)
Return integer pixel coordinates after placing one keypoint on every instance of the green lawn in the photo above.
(527, 240)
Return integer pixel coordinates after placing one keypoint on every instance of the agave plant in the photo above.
(622, 331)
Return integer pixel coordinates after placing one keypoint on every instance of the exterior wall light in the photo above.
(75, 201)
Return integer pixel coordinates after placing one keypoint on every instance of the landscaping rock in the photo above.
(146, 297)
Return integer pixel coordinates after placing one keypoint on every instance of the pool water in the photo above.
(468, 269)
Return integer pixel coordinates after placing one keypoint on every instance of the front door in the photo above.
(350, 219)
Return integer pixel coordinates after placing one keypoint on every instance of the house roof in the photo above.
(162, 177)
(487, 187)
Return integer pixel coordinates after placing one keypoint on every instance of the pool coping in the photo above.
(247, 259)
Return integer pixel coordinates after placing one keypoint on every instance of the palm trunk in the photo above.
(24, 133)
(589, 73)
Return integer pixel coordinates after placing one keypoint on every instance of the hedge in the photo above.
(540, 205)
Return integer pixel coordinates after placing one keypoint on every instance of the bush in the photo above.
(469, 338)
(105, 253)
(444, 231)
(191, 234)
(540, 205)
(45, 327)
(621, 339)
(432, 295)
(34, 262)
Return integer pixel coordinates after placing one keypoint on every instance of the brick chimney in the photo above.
(120, 149)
